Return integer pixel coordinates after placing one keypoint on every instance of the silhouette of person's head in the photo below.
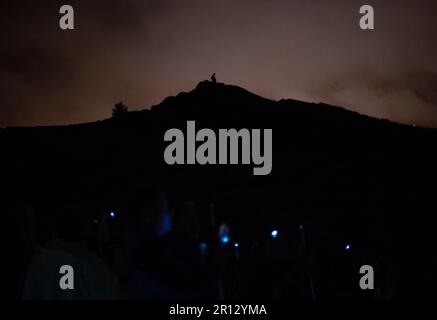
(152, 214)
(186, 219)
(213, 78)
(69, 224)
(159, 213)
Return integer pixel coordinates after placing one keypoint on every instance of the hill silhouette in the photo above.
(344, 174)
(316, 146)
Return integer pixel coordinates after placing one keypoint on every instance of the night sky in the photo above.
(140, 52)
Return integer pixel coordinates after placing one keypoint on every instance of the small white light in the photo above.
(274, 233)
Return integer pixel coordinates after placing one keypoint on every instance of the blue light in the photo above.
(225, 239)
(274, 233)
(165, 224)
(348, 247)
(236, 244)
(112, 214)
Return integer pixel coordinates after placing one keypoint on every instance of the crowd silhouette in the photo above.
(158, 249)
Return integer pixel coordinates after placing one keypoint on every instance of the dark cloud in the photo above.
(142, 51)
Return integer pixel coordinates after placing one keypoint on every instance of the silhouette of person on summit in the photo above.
(213, 79)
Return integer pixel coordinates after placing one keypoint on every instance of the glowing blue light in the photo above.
(348, 247)
(274, 233)
(165, 224)
(112, 214)
(236, 244)
(225, 239)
